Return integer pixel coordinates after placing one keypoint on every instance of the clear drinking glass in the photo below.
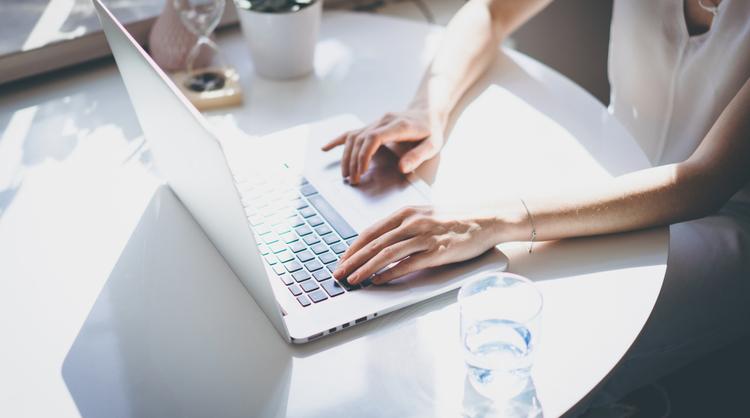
(201, 18)
(500, 328)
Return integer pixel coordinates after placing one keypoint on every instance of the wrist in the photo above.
(512, 223)
(437, 117)
(434, 105)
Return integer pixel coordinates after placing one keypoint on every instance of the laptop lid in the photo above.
(191, 159)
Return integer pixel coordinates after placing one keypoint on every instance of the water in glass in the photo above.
(500, 315)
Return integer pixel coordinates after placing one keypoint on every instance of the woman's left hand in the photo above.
(419, 238)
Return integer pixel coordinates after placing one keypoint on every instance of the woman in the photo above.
(679, 73)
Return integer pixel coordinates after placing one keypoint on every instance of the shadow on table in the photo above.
(592, 254)
(523, 405)
(174, 333)
(170, 330)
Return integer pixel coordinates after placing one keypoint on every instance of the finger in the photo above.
(379, 228)
(339, 140)
(393, 131)
(386, 256)
(417, 155)
(346, 156)
(401, 130)
(409, 265)
(353, 161)
(369, 251)
(369, 148)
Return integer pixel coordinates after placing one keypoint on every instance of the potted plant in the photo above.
(282, 35)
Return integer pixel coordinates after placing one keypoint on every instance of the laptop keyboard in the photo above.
(299, 234)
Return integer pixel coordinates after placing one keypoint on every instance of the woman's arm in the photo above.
(423, 237)
(469, 46)
(662, 195)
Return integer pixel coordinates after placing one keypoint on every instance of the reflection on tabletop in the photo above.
(523, 405)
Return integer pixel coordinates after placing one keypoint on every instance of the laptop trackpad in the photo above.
(382, 190)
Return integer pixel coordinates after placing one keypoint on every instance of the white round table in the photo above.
(114, 303)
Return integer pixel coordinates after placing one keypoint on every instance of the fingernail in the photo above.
(351, 279)
(337, 273)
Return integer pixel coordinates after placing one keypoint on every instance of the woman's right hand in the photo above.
(412, 125)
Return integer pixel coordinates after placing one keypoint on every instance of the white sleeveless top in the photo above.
(668, 88)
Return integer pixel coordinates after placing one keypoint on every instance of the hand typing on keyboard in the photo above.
(417, 238)
(300, 236)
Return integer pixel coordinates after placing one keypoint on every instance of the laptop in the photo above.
(280, 225)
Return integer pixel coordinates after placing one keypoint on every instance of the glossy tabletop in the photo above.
(114, 303)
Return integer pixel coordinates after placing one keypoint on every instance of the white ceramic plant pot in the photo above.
(282, 45)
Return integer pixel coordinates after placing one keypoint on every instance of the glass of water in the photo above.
(500, 328)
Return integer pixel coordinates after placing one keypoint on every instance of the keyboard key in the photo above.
(270, 259)
(305, 256)
(339, 247)
(332, 216)
(263, 249)
(322, 230)
(350, 241)
(303, 300)
(262, 229)
(287, 279)
(289, 237)
(306, 212)
(315, 221)
(297, 246)
(327, 258)
(255, 220)
(296, 291)
(332, 287)
(318, 296)
(276, 247)
(282, 229)
(303, 230)
(308, 190)
(279, 269)
(310, 285)
(300, 276)
(296, 221)
(347, 286)
(270, 238)
(313, 265)
(321, 275)
(285, 256)
(293, 266)
(330, 239)
(319, 248)
(311, 239)
(299, 203)
(332, 266)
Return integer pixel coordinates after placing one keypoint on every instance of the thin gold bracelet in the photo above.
(531, 221)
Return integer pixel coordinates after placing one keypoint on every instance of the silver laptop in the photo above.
(280, 225)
